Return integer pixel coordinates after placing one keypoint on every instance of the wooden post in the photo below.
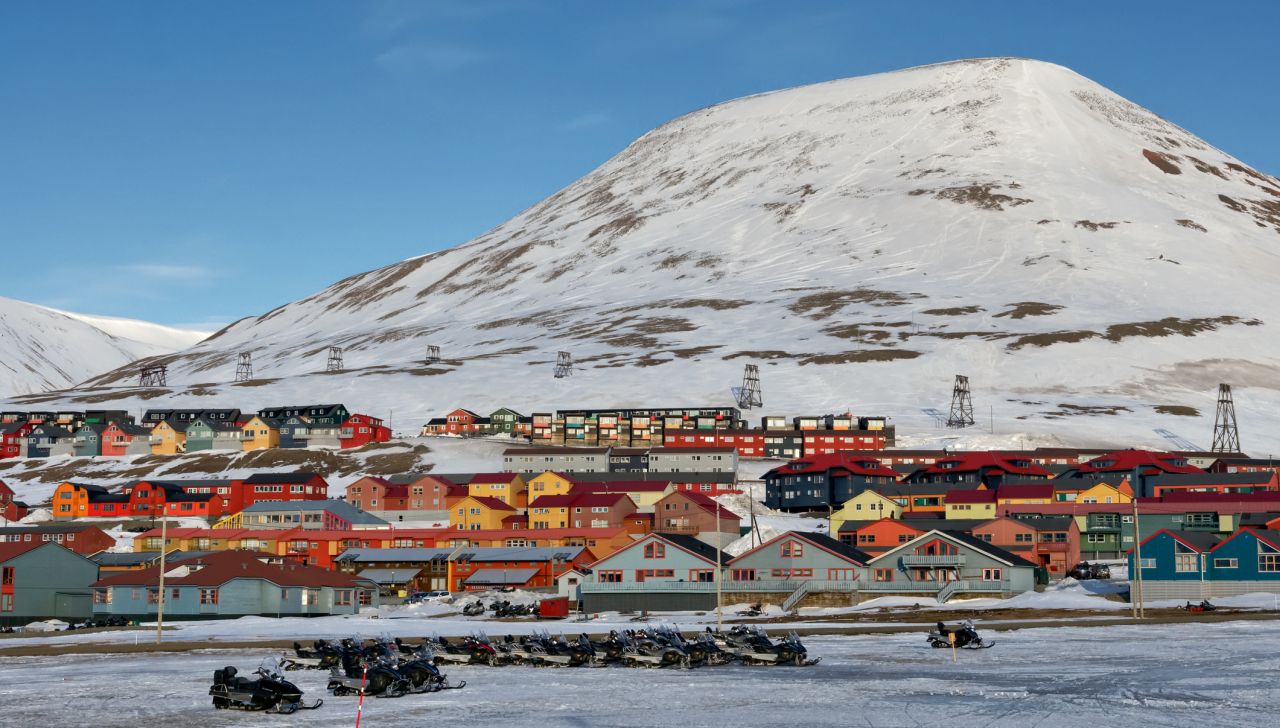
(719, 595)
(1135, 579)
(955, 654)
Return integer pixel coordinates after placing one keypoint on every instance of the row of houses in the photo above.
(1197, 565)
(44, 579)
(672, 572)
(823, 482)
(200, 498)
(169, 432)
(708, 427)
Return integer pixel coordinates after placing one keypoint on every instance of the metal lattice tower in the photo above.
(433, 354)
(564, 364)
(156, 375)
(1226, 434)
(244, 367)
(335, 359)
(961, 404)
(749, 394)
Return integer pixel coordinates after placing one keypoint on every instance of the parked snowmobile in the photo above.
(755, 610)
(474, 609)
(610, 649)
(966, 637)
(703, 650)
(418, 665)
(754, 647)
(1204, 606)
(381, 679)
(643, 650)
(322, 655)
(270, 692)
(470, 651)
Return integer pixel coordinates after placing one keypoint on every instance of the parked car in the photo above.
(419, 597)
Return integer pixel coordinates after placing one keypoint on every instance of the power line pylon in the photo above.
(1226, 433)
(335, 359)
(749, 394)
(244, 367)
(564, 365)
(961, 404)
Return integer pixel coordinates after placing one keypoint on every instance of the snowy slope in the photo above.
(42, 348)
(1095, 269)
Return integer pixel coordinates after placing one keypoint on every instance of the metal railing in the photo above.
(775, 585)
(933, 560)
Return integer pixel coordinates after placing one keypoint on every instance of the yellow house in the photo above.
(865, 506)
(168, 439)
(1107, 493)
(549, 483)
(479, 513)
(971, 504)
(259, 434)
(509, 488)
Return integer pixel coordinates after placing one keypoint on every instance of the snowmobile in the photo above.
(755, 610)
(608, 650)
(474, 609)
(643, 650)
(356, 676)
(322, 655)
(703, 650)
(1204, 606)
(418, 664)
(760, 650)
(966, 637)
(471, 651)
(270, 692)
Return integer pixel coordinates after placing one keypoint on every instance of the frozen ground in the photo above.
(1106, 676)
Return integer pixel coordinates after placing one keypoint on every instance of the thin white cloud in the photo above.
(434, 57)
(388, 17)
(168, 272)
(586, 121)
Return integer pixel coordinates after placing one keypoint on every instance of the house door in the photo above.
(639, 576)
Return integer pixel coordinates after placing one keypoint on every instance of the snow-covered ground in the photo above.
(1220, 674)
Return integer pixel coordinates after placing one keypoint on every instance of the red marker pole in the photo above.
(360, 703)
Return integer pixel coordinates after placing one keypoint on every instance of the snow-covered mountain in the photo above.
(43, 348)
(1096, 270)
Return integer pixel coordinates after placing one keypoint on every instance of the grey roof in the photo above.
(1201, 540)
(987, 548)
(337, 507)
(831, 544)
(532, 553)
(382, 556)
(890, 490)
(455, 478)
(1260, 519)
(278, 478)
(407, 478)
(1214, 479)
(946, 524)
(501, 577)
(1048, 523)
(390, 576)
(49, 528)
(701, 548)
(137, 558)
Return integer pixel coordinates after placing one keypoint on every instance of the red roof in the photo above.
(580, 500)
(491, 503)
(218, 568)
(620, 486)
(13, 549)
(971, 496)
(554, 501)
(855, 464)
(1026, 490)
(1128, 460)
(488, 478)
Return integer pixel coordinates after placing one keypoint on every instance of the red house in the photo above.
(116, 438)
(12, 436)
(154, 498)
(83, 539)
(277, 487)
(360, 430)
(10, 509)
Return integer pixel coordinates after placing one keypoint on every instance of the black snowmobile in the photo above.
(270, 692)
(966, 637)
(381, 680)
(322, 655)
(418, 664)
(474, 609)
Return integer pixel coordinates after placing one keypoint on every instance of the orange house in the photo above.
(877, 537)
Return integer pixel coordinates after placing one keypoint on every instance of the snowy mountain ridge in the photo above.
(1094, 269)
(44, 348)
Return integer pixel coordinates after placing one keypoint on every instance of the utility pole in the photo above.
(164, 538)
(719, 595)
(1135, 579)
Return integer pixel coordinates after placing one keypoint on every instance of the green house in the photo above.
(504, 421)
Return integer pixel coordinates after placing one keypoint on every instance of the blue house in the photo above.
(48, 440)
(232, 584)
(662, 571)
(1194, 566)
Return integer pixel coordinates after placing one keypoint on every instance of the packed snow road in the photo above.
(1202, 674)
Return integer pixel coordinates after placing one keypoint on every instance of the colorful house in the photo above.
(294, 431)
(580, 510)
(509, 488)
(505, 421)
(865, 506)
(549, 483)
(169, 438)
(660, 571)
(986, 468)
(477, 513)
(124, 438)
(49, 440)
(876, 537)
(205, 434)
(83, 500)
(801, 556)
(87, 441)
(1052, 542)
(822, 481)
(644, 493)
(260, 434)
(11, 509)
(1025, 494)
(948, 564)
(970, 504)
(13, 439)
(475, 569)
(83, 539)
(232, 584)
(1140, 466)
(1105, 492)
(42, 580)
(359, 430)
(319, 515)
(694, 514)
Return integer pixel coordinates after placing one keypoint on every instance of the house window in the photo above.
(1147, 563)
(6, 602)
(866, 538)
(6, 576)
(654, 550)
(883, 575)
(991, 574)
(792, 550)
(791, 573)
(1186, 562)
(208, 596)
(904, 537)
(153, 596)
(1269, 562)
(1096, 537)
(101, 596)
(609, 577)
(1022, 538)
(742, 575)
(342, 597)
(1225, 563)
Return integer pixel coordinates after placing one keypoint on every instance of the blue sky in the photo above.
(192, 163)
